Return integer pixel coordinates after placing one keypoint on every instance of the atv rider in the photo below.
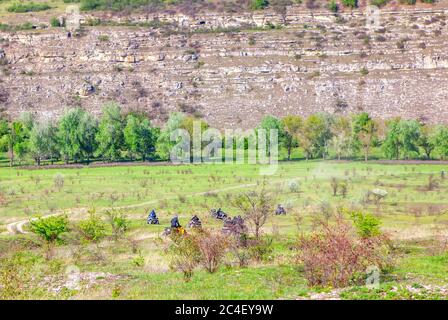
(175, 227)
(195, 222)
(280, 210)
(175, 223)
(218, 214)
(152, 218)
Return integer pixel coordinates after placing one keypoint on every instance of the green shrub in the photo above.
(92, 228)
(366, 224)
(350, 3)
(138, 261)
(260, 249)
(333, 6)
(116, 5)
(118, 222)
(51, 228)
(259, 4)
(364, 71)
(378, 3)
(54, 22)
(428, 1)
(103, 38)
(27, 7)
(251, 41)
(184, 255)
(25, 26)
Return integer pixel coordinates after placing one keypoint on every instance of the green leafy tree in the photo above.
(393, 143)
(140, 136)
(269, 123)
(87, 130)
(333, 6)
(110, 136)
(365, 134)
(50, 228)
(4, 129)
(292, 126)
(350, 3)
(341, 131)
(43, 142)
(71, 134)
(164, 144)
(410, 136)
(93, 228)
(258, 4)
(15, 139)
(441, 141)
(188, 123)
(402, 138)
(427, 139)
(315, 135)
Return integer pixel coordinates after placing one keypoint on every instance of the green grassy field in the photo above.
(412, 214)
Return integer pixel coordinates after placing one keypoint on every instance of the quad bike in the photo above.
(174, 231)
(218, 214)
(152, 218)
(280, 210)
(195, 222)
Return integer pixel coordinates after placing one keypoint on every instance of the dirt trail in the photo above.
(17, 226)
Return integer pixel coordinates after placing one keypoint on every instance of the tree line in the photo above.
(77, 136)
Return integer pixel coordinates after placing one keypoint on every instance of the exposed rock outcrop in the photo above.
(314, 62)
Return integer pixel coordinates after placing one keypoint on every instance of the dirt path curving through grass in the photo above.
(17, 226)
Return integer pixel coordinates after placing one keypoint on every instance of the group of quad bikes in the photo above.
(233, 225)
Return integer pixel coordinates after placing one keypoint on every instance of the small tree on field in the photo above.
(118, 222)
(256, 207)
(343, 187)
(334, 186)
(432, 183)
(378, 196)
(59, 181)
(366, 224)
(50, 229)
(184, 255)
(212, 247)
(93, 228)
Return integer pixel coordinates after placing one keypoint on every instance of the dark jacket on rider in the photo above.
(175, 223)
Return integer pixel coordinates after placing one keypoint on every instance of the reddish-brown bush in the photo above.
(335, 255)
(201, 247)
(212, 247)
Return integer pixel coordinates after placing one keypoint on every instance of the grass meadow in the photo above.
(413, 214)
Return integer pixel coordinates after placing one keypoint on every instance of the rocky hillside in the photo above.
(232, 69)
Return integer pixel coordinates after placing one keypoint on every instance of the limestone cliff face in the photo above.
(315, 62)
